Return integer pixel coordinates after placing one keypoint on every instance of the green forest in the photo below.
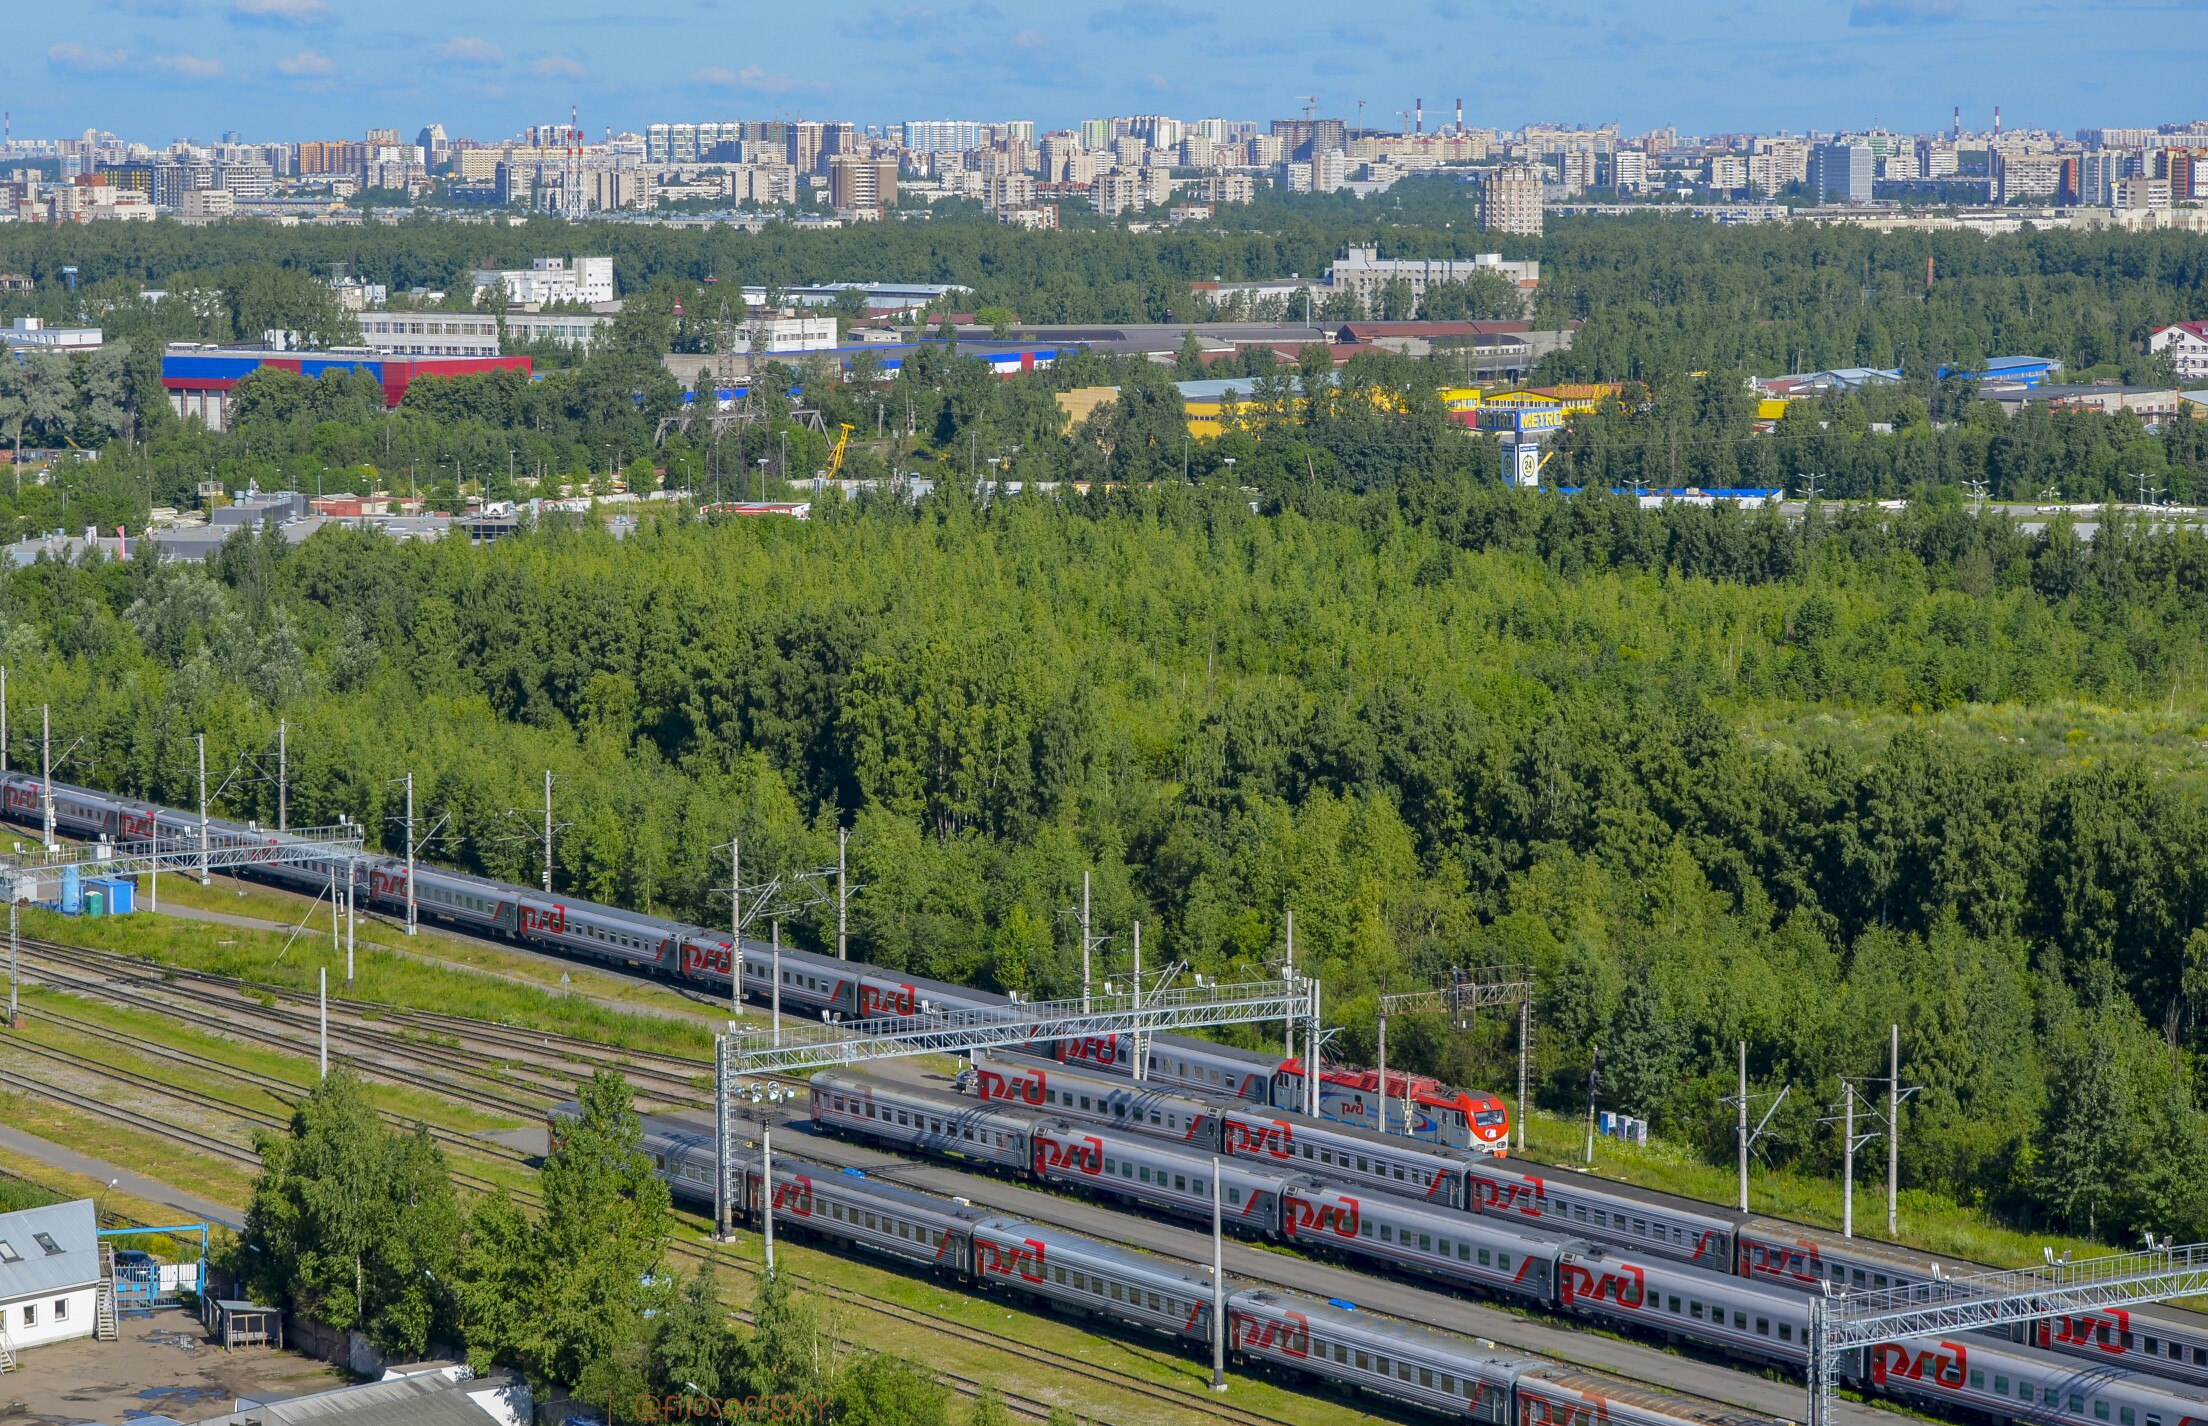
(1717, 775)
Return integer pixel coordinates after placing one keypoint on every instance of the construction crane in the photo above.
(835, 457)
(1360, 116)
(1310, 104)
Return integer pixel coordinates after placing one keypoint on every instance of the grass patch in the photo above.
(382, 976)
(242, 898)
(181, 1167)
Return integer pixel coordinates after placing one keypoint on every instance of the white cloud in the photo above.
(189, 66)
(298, 14)
(467, 49)
(557, 66)
(85, 59)
(306, 65)
(751, 77)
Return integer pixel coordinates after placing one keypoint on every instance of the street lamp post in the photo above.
(762, 463)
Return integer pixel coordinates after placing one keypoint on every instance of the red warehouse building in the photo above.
(199, 379)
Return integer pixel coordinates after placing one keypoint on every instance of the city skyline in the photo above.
(158, 70)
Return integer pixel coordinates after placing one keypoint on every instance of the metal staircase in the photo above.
(7, 1356)
(103, 1311)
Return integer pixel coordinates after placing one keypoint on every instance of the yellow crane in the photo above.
(835, 457)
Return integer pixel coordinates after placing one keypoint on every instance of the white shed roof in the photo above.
(48, 1250)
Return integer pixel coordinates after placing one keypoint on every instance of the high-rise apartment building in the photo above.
(1510, 201)
(1841, 173)
(2026, 177)
(859, 185)
(942, 135)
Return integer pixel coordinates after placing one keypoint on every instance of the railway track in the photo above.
(691, 1252)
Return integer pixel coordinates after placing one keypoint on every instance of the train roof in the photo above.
(1346, 1320)
(1566, 1176)
(1074, 1245)
(1644, 1398)
(946, 1212)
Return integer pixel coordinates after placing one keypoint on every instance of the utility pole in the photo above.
(1847, 1160)
(283, 776)
(15, 972)
(410, 854)
(1288, 973)
(46, 771)
(843, 921)
(1086, 943)
(322, 1004)
(1893, 1134)
(1142, 1071)
(774, 984)
(1594, 1081)
(3, 718)
(349, 870)
(736, 923)
(1525, 1054)
(766, 1207)
(204, 878)
(1218, 1286)
(1313, 1038)
(548, 831)
(1383, 1074)
(1741, 1123)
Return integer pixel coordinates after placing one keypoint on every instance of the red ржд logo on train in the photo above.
(795, 1197)
(2102, 1330)
(134, 824)
(1291, 1338)
(1093, 1050)
(1538, 1410)
(1943, 1365)
(712, 957)
(874, 1001)
(1627, 1286)
(1024, 1088)
(1272, 1139)
(1024, 1260)
(552, 920)
(1340, 1219)
(1522, 1198)
(1802, 1262)
(1085, 1155)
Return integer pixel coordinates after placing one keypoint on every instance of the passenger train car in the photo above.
(804, 983)
(1786, 1255)
(1331, 1344)
(1744, 1318)
(1337, 1344)
(1388, 1162)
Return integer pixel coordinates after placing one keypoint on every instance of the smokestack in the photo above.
(1958, 123)
(1997, 121)
(1420, 106)
(1460, 118)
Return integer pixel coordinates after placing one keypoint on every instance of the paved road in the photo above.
(1779, 1400)
(130, 1181)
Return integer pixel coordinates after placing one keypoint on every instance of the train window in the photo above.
(1084, 1101)
(1234, 1195)
(1502, 1260)
(1361, 1168)
(1740, 1321)
(2048, 1396)
(2100, 1411)
(1464, 1253)
(1977, 1379)
(1127, 1170)
(1341, 1353)
(2124, 1417)
(1640, 1227)
(1117, 1293)
(1694, 1309)
(1426, 1377)
(1763, 1326)
(1673, 1309)
(1425, 1243)
(1180, 1183)
(1081, 1282)
(1484, 1258)
(1786, 1331)
(2000, 1386)
(1387, 1234)
(1579, 1212)
(2153, 1420)
(2077, 1405)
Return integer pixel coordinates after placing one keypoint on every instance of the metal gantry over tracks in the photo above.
(1857, 1321)
(747, 1050)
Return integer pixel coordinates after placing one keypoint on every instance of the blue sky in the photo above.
(156, 70)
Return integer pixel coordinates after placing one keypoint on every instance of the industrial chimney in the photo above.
(1420, 105)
